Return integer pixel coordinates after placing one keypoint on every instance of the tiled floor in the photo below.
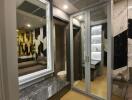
(98, 86)
(72, 95)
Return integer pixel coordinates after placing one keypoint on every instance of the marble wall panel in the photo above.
(120, 18)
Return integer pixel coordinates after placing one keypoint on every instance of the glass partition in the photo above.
(98, 18)
(78, 49)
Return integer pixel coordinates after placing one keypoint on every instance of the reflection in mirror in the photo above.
(121, 89)
(31, 36)
(99, 51)
(78, 49)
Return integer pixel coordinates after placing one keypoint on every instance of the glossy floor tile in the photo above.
(98, 86)
(72, 95)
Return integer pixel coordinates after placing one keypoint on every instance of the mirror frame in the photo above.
(50, 50)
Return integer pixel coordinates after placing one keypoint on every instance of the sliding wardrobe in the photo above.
(90, 47)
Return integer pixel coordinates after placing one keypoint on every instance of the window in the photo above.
(34, 45)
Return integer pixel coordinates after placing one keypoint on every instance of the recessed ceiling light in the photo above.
(65, 7)
(28, 25)
(80, 17)
(17, 30)
(129, 7)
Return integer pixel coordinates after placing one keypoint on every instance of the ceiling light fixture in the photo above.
(129, 7)
(80, 17)
(28, 25)
(17, 30)
(65, 7)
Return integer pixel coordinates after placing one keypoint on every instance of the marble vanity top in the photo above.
(42, 90)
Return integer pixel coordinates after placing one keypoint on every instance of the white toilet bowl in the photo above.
(62, 75)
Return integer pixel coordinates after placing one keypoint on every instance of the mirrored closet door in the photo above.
(78, 29)
(98, 68)
(89, 50)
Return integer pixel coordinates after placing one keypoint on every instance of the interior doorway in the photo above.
(60, 35)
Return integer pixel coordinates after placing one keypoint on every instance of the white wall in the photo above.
(9, 58)
(130, 9)
(1, 90)
(76, 22)
(130, 40)
(64, 16)
(1, 72)
(120, 21)
(130, 13)
(60, 14)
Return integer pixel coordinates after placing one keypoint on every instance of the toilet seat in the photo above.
(62, 74)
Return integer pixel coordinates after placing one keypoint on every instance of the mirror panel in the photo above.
(122, 56)
(31, 36)
(79, 51)
(98, 68)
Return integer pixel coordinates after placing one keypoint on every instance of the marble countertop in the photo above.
(42, 90)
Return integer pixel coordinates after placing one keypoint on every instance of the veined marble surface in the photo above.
(42, 90)
(120, 17)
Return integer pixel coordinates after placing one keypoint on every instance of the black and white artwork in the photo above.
(31, 36)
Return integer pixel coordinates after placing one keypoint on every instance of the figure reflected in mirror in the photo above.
(32, 50)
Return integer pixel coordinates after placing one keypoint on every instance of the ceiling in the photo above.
(24, 18)
(99, 14)
(95, 15)
(30, 13)
(75, 5)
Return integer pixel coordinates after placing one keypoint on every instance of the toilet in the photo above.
(62, 75)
